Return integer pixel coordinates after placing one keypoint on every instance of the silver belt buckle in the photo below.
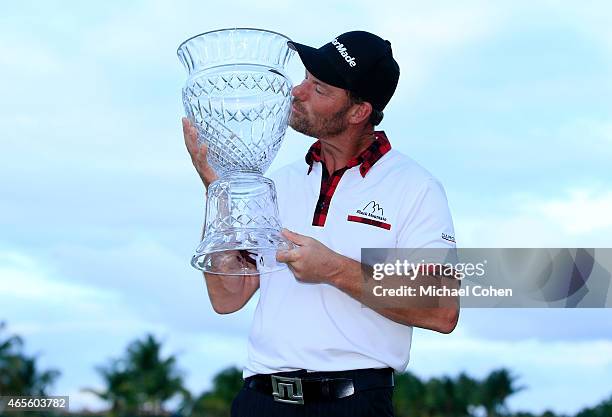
(284, 392)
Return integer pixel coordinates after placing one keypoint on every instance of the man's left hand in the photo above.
(310, 260)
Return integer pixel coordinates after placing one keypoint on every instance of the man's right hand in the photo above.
(198, 153)
(229, 293)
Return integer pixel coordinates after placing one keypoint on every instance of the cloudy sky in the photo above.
(507, 103)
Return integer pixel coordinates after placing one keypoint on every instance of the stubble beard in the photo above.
(319, 126)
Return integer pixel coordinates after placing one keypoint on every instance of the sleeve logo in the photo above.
(450, 238)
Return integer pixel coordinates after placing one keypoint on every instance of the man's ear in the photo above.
(360, 112)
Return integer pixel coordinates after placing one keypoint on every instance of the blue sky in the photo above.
(507, 103)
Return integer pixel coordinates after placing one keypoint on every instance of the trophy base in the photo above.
(241, 252)
(242, 231)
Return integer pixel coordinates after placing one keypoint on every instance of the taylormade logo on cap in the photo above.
(342, 49)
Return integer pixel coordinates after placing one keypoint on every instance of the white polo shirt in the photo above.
(316, 326)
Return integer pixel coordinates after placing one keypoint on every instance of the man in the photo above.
(318, 346)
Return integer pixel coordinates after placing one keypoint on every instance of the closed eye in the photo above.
(318, 87)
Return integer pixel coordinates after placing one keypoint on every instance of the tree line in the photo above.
(144, 383)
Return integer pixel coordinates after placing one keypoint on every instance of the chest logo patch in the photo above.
(372, 214)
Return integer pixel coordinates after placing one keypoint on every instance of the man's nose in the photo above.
(299, 91)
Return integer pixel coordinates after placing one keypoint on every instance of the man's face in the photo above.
(319, 109)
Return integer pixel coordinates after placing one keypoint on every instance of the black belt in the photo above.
(299, 386)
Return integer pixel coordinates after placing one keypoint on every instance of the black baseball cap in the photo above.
(358, 61)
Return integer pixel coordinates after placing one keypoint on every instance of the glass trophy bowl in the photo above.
(238, 97)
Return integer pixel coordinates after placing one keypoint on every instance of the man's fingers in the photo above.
(296, 238)
(191, 139)
(187, 128)
(286, 256)
(196, 150)
(206, 170)
(204, 152)
(185, 122)
(198, 153)
(194, 132)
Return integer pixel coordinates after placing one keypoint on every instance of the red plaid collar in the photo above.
(366, 159)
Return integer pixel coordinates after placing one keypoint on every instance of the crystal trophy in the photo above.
(238, 97)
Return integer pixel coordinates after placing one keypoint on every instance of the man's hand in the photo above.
(233, 261)
(311, 261)
(229, 293)
(198, 153)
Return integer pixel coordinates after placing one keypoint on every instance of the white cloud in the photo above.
(592, 19)
(24, 280)
(537, 324)
(28, 59)
(423, 32)
(583, 211)
(591, 134)
(528, 351)
(154, 279)
(578, 219)
(37, 302)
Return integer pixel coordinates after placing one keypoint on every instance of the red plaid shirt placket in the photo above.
(365, 159)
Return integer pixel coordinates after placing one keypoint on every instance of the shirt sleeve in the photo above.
(428, 224)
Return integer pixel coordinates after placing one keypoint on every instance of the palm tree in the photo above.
(441, 399)
(120, 390)
(466, 394)
(409, 395)
(158, 378)
(141, 382)
(603, 409)
(218, 401)
(452, 397)
(9, 349)
(495, 389)
(11, 345)
(19, 374)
